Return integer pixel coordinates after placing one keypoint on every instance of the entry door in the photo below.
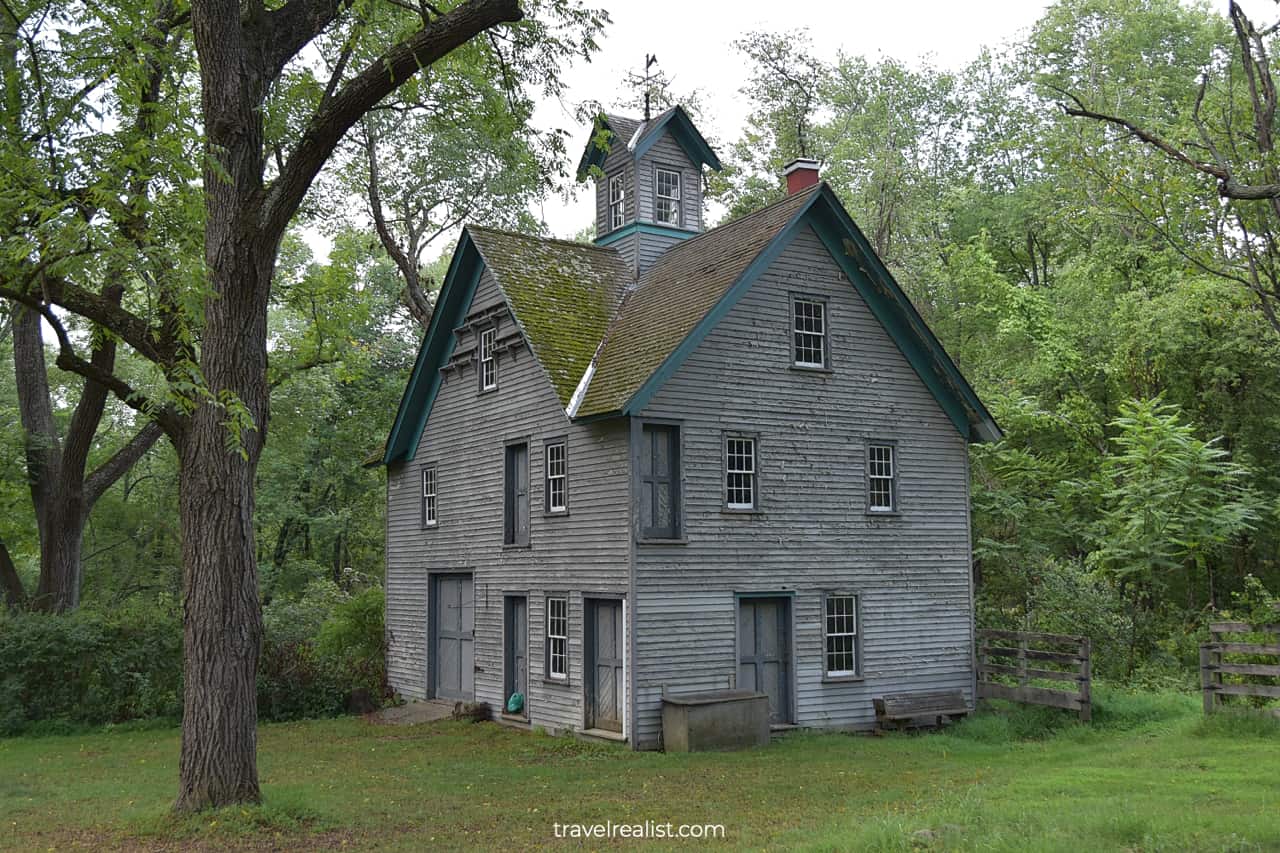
(605, 684)
(516, 655)
(453, 638)
(764, 652)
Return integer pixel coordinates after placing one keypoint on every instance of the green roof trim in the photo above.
(644, 228)
(681, 127)
(437, 345)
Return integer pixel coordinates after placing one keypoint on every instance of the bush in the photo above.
(89, 668)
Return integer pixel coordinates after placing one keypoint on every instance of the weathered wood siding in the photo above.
(668, 154)
(813, 535)
(584, 552)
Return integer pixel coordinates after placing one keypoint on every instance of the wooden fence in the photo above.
(1220, 656)
(1009, 661)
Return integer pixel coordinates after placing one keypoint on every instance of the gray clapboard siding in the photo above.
(813, 534)
(618, 161)
(668, 154)
(584, 552)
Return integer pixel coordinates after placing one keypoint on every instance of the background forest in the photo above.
(1116, 312)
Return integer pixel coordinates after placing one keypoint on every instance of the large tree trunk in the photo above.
(61, 518)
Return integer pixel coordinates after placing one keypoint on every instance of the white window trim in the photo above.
(795, 316)
(552, 673)
(891, 478)
(827, 634)
(751, 472)
(430, 502)
(488, 362)
(562, 477)
(617, 204)
(675, 199)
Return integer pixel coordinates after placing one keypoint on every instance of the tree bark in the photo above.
(14, 595)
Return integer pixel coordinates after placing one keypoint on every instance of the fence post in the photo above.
(1206, 683)
(1086, 676)
(1022, 661)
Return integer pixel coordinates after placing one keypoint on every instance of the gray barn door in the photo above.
(764, 652)
(516, 656)
(605, 687)
(453, 638)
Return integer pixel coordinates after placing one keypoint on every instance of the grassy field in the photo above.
(1149, 775)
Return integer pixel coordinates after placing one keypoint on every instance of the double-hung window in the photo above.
(617, 201)
(882, 472)
(660, 481)
(558, 638)
(515, 528)
(666, 208)
(488, 360)
(809, 331)
(429, 496)
(739, 472)
(556, 492)
(840, 632)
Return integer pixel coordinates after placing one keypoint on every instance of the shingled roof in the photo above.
(641, 134)
(563, 295)
(673, 296)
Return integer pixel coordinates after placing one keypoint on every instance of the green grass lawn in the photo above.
(1149, 775)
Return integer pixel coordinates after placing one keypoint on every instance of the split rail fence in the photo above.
(1221, 658)
(1010, 661)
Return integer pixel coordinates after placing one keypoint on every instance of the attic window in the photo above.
(617, 198)
(809, 325)
(488, 363)
(667, 203)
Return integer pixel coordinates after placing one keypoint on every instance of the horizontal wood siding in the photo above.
(667, 153)
(619, 160)
(584, 552)
(812, 535)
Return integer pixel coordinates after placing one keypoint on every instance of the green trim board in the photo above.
(888, 303)
(424, 382)
(681, 127)
(644, 228)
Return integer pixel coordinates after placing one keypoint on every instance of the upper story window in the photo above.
(882, 472)
(617, 201)
(556, 493)
(739, 472)
(488, 361)
(659, 472)
(840, 635)
(809, 332)
(429, 496)
(515, 522)
(666, 208)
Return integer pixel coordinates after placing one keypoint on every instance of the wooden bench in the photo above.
(901, 708)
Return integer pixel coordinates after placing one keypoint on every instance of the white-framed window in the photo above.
(617, 201)
(429, 496)
(840, 632)
(666, 207)
(739, 472)
(809, 327)
(881, 478)
(557, 491)
(557, 638)
(488, 363)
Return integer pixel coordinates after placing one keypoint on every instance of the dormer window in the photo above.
(666, 209)
(488, 363)
(617, 201)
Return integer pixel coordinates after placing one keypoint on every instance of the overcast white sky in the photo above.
(697, 54)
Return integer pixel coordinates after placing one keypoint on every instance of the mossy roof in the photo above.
(563, 295)
(673, 296)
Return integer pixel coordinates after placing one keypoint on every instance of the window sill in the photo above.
(800, 368)
(556, 682)
(882, 514)
(682, 540)
(724, 510)
(506, 546)
(843, 679)
(484, 391)
(558, 513)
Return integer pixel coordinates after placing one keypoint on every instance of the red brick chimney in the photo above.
(801, 174)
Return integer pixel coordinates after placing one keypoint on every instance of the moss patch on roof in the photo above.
(563, 295)
(672, 298)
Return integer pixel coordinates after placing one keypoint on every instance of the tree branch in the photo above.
(106, 474)
(378, 79)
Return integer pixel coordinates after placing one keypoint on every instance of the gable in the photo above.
(610, 131)
(695, 284)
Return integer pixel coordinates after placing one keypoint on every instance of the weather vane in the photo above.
(646, 80)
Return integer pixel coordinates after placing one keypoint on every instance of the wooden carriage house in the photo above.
(678, 460)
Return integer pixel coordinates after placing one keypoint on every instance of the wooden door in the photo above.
(516, 656)
(606, 689)
(764, 652)
(453, 637)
